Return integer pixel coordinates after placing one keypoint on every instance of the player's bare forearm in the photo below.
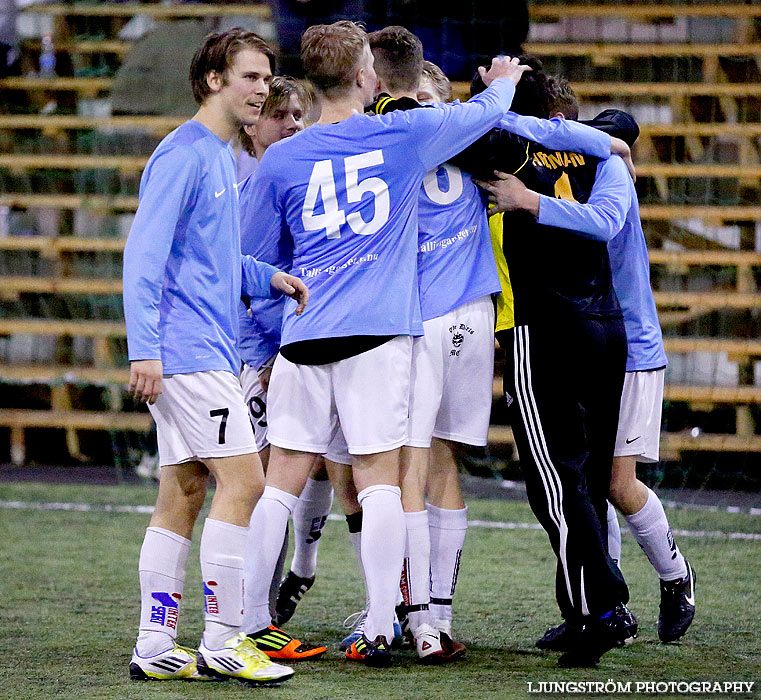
(621, 148)
(292, 287)
(145, 380)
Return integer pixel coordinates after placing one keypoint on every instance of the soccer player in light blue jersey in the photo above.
(184, 276)
(639, 423)
(457, 274)
(344, 192)
(283, 115)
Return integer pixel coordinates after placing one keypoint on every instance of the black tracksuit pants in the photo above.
(563, 387)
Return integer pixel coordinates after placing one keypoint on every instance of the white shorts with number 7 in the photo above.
(201, 414)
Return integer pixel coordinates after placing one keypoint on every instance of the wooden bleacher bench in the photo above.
(72, 327)
(163, 125)
(128, 203)
(98, 285)
(18, 420)
(23, 161)
(62, 374)
(653, 212)
(698, 394)
(537, 11)
(645, 10)
(607, 50)
(60, 285)
(57, 122)
(600, 89)
(77, 420)
(57, 244)
(154, 10)
(53, 246)
(93, 86)
(70, 201)
(85, 86)
(698, 129)
(671, 443)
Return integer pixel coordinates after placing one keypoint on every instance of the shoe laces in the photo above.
(247, 648)
(355, 620)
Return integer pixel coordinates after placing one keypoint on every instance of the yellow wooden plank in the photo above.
(678, 211)
(704, 257)
(45, 374)
(70, 121)
(61, 285)
(69, 201)
(708, 300)
(31, 83)
(648, 90)
(157, 11)
(630, 50)
(62, 243)
(73, 161)
(85, 328)
(80, 420)
(644, 10)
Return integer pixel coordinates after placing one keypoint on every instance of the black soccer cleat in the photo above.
(599, 635)
(677, 608)
(292, 590)
(560, 638)
(376, 653)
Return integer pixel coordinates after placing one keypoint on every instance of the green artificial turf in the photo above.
(70, 603)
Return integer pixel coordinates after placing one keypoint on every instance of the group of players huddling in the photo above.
(369, 363)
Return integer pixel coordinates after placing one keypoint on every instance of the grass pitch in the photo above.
(70, 604)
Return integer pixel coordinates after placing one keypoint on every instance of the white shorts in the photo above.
(452, 375)
(639, 420)
(201, 414)
(366, 395)
(256, 400)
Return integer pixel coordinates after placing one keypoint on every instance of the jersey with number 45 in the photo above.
(347, 196)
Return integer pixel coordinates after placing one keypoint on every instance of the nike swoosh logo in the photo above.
(691, 598)
(629, 442)
(217, 195)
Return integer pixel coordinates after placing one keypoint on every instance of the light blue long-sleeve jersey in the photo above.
(260, 330)
(183, 270)
(611, 214)
(455, 257)
(347, 196)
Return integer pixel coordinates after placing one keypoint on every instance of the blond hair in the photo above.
(331, 53)
(439, 81)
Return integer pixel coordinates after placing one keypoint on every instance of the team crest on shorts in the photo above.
(458, 331)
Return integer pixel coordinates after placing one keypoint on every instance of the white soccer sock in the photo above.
(614, 535)
(652, 531)
(309, 517)
(222, 547)
(354, 521)
(265, 540)
(382, 554)
(416, 574)
(447, 531)
(162, 581)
